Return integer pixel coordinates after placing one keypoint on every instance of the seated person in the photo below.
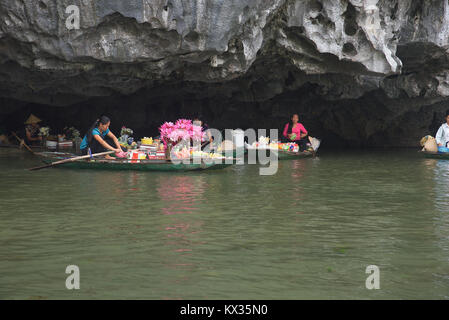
(442, 136)
(295, 132)
(32, 130)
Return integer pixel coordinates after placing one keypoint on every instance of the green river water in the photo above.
(307, 232)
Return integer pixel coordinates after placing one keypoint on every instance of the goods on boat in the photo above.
(432, 150)
(126, 140)
(429, 144)
(65, 144)
(146, 141)
(148, 147)
(226, 145)
(121, 155)
(286, 151)
(314, 143)
(228, 148)
(126, 131)
(61, 145)
(264, 143)
(289, 146)
(264, 140)
(44, 131)
(182, 129)
(208, 155)
(182, 153)
(51, 144)
(156, 152)
(137, 155)
(133, 145)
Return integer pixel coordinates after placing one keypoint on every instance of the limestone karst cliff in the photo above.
(366, 71)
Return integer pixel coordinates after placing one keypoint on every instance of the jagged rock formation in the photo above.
(375, 71)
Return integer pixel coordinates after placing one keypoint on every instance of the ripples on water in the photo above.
(307, 232)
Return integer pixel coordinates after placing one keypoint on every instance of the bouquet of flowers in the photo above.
(126, 131)
(197, 133)
(181, 130)
(44, 132)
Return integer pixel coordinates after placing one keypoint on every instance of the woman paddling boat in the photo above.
(94, 140)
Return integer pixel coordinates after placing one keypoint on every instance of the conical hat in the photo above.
(32, 119)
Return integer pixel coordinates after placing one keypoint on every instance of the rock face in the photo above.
(371, 72)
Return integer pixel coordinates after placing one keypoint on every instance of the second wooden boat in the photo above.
(281, 154)
(436, 155)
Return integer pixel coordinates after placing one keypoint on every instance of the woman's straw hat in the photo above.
(32, 119)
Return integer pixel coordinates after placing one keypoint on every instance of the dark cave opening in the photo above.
(354, 123)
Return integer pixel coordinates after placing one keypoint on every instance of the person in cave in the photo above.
(442, 136)
(294, 131)
(32, 130)
(3, 136)
(95, 138)
(204, 127)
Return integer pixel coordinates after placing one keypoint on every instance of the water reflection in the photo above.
(297, 169)
(113, 186)
(180, 193)
(180, 196)
(441, 177)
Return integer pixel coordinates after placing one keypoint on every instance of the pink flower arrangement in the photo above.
(184, 124)
(197, 133)
(183, 129)
(179, 134)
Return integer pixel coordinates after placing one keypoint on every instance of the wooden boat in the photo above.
(127, 164)
(288, 155)
(436, 155)
(284, 155)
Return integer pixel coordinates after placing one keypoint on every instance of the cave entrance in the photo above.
(366, 121)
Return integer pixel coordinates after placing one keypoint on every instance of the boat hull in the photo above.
(436, 155)
(133, 165)
(284, 155)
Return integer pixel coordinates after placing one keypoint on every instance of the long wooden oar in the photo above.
(53, 164)
(22, 142)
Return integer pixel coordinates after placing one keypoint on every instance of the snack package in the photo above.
(142, 156)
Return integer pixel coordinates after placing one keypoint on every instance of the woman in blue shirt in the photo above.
(94, 138)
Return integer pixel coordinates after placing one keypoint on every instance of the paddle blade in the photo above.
(41, 167)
